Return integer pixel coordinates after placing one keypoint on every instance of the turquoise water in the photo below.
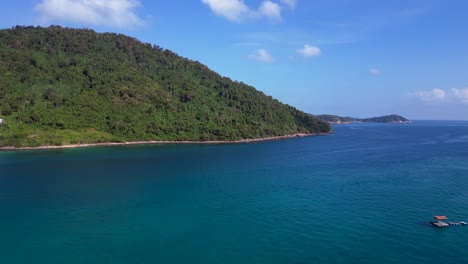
(362, 195)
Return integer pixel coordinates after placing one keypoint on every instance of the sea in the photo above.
(365, 194)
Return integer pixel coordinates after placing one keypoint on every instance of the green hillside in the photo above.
(387, 119)
(379, 119)
(338, 119)
(66, 86)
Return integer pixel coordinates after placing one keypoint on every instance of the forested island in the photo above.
(334, 119)
(75, 86)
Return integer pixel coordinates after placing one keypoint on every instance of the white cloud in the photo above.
(453, 95)
(115, 13)
(290, 3)
(433, 95)
(439, 95)
(375, 71)
(461, 94)
(261, 55)
(309, 51)
(270, 10)
(238, 11)
(234, 10)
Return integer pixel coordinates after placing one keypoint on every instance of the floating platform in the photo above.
(439, 224)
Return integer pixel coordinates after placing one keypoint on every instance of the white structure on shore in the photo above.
(1, 121)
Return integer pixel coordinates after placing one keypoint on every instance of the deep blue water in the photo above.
(362, 195)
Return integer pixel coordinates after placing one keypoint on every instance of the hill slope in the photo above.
(66, 86)
(380, 119)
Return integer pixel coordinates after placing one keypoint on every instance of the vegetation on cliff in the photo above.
(67, 86)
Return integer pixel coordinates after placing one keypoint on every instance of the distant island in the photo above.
(63, 86)
(334, 119)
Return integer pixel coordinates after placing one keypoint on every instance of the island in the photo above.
(64, 86)
(334, 119)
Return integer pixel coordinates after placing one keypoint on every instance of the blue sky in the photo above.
(349, 57)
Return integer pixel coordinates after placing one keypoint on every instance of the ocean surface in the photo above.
(362, 195)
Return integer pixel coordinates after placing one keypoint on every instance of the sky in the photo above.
(357, 58)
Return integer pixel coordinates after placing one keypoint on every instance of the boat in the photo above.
(457, 223)
(440, 217)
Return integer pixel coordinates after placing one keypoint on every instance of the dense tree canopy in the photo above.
(62, 86)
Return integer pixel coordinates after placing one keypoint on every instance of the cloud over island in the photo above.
(114, 13)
